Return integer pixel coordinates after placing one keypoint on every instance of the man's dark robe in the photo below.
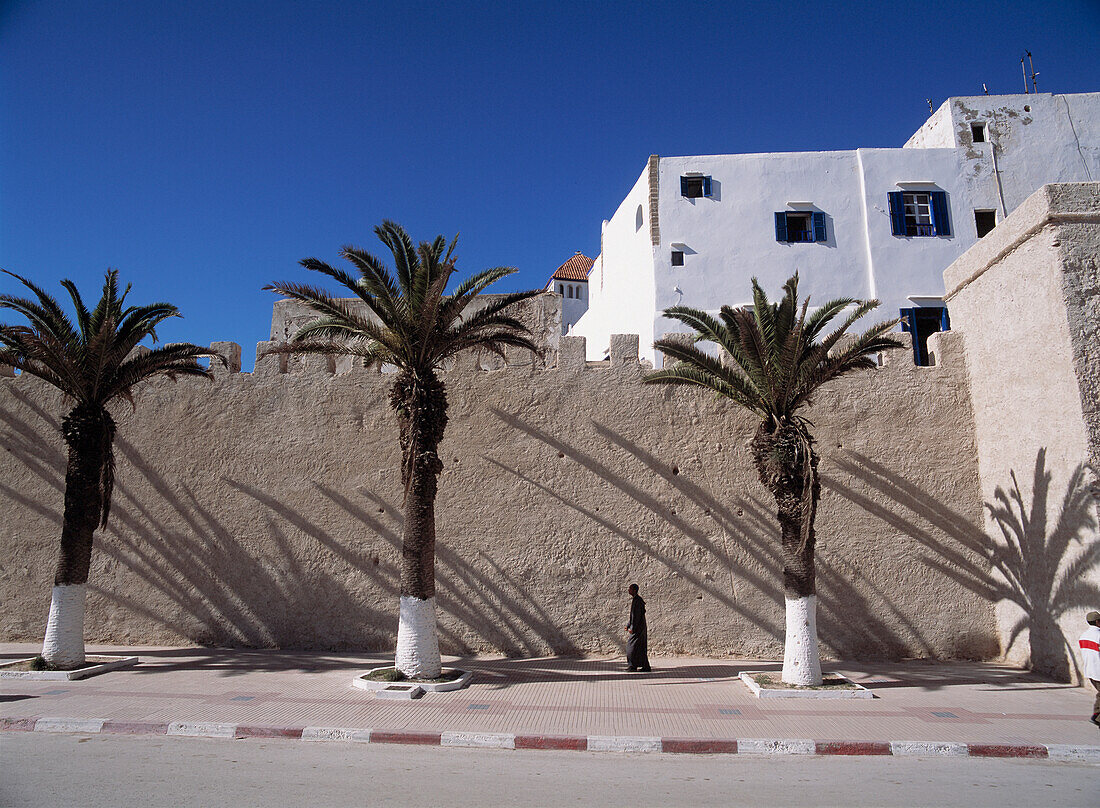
(637, 644)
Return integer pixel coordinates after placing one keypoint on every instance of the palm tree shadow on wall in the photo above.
(742, 542)
(1042, 568)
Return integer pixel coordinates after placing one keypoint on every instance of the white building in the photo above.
(570, 280)
(868, 223)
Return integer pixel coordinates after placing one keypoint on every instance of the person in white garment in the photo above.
(1090, 659)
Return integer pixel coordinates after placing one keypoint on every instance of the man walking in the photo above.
(1090, 659)
(637, 644)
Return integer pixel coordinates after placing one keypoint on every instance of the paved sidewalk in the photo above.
(684, 705)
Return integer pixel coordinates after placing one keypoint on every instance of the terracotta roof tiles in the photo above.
(575, 269)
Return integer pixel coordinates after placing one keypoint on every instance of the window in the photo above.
(638, 219)
(984, 221)
(796, 226)
(922, 322)
(977, 132)
(919, 213)
(677, 258)
(694, 186)
(580, 289)
(561, 289)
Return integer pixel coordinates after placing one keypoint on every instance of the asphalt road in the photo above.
(41, 770)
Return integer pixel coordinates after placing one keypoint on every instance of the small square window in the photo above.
(694, 186)
(984, 221)
(977, 132)
(677, 258)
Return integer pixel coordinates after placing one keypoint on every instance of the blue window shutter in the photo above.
(945, 321)
(780, 226)
(939, 213)
(909, 324)
(706, 186)
(683, 186)
(819, 226)
(897, 213)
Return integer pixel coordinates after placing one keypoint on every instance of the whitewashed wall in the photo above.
(730, 237)
(621, 284)
(1041, 138)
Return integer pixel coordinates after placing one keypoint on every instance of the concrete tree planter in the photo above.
(379, 685)
(845, 688)
(94, 665)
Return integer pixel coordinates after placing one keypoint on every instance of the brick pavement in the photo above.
(684, 705)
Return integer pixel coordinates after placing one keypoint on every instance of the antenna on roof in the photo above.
(930, 107)
(1031, 64)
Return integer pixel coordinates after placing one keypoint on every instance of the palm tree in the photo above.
(408, 322)
(93, 363)
(771, 364)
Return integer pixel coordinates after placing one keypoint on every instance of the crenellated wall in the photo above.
(264, 509)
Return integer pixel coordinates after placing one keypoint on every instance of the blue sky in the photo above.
(203, 148)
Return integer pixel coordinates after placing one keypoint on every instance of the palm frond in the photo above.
(413, 324)
(776, 349)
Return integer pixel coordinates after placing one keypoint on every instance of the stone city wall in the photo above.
(264, 510)
(1025, 303)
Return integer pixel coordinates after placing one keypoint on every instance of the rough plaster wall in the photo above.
(1079, 253)
(1025, 301)
(265, 510)
(1040, 138)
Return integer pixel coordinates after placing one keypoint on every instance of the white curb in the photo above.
(335, 734)
(928, 748)
(69, 724)
(775, 746)
(485, 740)
(201, 730)
(608, 743)
(1065, 753)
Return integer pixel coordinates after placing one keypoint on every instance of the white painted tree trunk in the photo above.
(417, 640)
(801, 658)
(63, 646)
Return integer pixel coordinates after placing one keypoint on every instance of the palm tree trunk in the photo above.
(88, 431)
(421, 405)
(779, 455)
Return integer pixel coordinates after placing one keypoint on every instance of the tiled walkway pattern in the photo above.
(512, 701)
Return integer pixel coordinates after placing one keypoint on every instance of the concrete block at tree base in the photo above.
(624, 350)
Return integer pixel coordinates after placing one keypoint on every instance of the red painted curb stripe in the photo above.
(294, 733)
(566, 742)
(425, 738)
(852, 748)
(18, 724)
(1006, 750)
(133, 728)
(698, 747)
